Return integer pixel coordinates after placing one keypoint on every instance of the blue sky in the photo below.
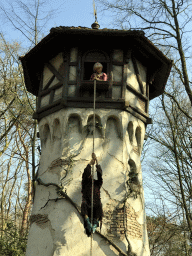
(74, 12)
(68, 13)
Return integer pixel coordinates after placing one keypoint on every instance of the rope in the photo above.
(93, 167)
(94, 116)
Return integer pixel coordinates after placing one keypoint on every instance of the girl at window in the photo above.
(98, 75)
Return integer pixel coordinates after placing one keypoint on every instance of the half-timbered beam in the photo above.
(56, 86)
(49, 83)
(137, 74)
(54, 71)
(135, 92)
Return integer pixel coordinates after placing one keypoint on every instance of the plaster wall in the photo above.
(67, 142)
(132, 80)
(56, 62)
(66, 138)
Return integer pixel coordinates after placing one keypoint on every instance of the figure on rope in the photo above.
(87, 194)
(98, 75)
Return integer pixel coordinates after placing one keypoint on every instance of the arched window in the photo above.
(132, 166)
(44, 134)
(130, 131)
(138, 137)
(133, 175)
(56, 129)
(89, 59)
(98, 125)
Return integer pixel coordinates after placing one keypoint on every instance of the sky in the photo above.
(68, 13)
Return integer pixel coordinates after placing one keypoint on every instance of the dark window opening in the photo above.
(89, 59)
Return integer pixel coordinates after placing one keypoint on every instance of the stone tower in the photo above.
(58, 71)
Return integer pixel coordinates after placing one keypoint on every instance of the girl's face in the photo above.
(98, 70)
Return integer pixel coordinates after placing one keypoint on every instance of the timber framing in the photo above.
(54, 71)
(134, 46)
(137, 74)
(80, 102)
(55, 42)
(144, 119)
(54, 87)
(49, 83)
(135, 92)
(140, 112)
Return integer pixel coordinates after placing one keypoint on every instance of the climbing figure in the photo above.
(87, 194)
(98, 75)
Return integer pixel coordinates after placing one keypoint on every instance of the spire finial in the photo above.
(95, 11)
(95, 25)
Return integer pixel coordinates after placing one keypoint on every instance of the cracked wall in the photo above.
(66, 138)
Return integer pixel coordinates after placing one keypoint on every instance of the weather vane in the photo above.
(95, 11)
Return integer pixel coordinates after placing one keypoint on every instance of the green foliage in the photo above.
(12, 243)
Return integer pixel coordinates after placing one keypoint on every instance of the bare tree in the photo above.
(17, 105)
(29, 18)
(170, 162)
(18, 136)
(18, 131)
(167, 23)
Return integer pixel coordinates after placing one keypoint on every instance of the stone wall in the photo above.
(124, 221)
(56, 222)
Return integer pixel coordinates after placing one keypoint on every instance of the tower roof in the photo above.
(60, 37)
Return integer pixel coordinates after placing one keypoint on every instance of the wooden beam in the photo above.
(56, 86)
(48, 107)
(54, 71)
(77, 102)
(128, 56)
(90, 99)
(82, 102)
(110, 84)
(145, 120)
(137, 74)
(114, 105)
(135, 92)
(47, 112)
(139, 111)
(78, 82)
(48, 84)
(88, 86)
(124, 80)
(65, 76)
(58, 107)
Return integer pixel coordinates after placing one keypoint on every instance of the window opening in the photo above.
(133, 175)
(90, 59)
(44, 134)
(133, 180)
(138, 137)
(88, 69)
(130, 131)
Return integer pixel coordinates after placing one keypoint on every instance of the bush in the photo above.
(12, 243)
